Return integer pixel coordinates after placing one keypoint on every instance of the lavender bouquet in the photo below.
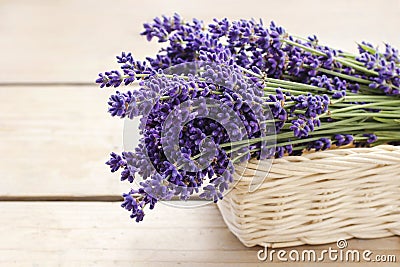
(241, 90)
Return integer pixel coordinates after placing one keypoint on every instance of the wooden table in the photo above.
(59, 203)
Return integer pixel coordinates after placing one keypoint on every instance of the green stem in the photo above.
(361, 106)
(367, 98)
(338, 59)
(342, 75)
(367, 114)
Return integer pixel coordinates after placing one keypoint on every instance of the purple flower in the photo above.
(129, 203)
(115, 162)
(109, 78)
(135, 201)
(139, 215)
(301, 127)
(281, 150)
(128, 173)
(385, 65)
(211, 193)
(342, 140)
(320, 144)
(219, 28)
(371, 138)
(313, 105)
(117, 104)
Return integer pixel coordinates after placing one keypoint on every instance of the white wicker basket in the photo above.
(318, 198)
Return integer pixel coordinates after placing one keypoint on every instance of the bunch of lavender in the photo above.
(184, 119)
(315, 96)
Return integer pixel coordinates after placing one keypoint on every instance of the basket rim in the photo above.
(336, 159)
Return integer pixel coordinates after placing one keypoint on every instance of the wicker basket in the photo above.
(317, 198)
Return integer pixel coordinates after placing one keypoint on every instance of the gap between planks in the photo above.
(94, 198)
(42, 84)
(63, 84)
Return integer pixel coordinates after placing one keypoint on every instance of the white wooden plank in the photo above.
(73, 40)
(101, 234)
(55, 141)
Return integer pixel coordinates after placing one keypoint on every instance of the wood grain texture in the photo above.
(73, 40)
(101, 234)
(55, 140)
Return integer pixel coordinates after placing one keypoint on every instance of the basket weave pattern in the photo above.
(317, 198)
